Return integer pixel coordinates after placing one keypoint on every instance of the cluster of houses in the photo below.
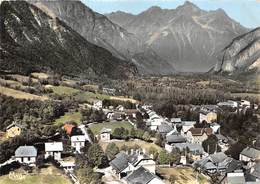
(184, 136)
(138, 167)
(28, 154)
(135, 167)
(118, 113)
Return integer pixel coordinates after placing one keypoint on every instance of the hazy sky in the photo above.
(247, 12)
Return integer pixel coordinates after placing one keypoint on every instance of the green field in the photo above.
(132, 143)
(76, 116)
(96, 128)
(64, 90)
(90, 97)
(49, 175)
(20, 94)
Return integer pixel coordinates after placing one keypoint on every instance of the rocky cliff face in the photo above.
(188, 37)
(98, 29)
(242, 54)
(35, 40)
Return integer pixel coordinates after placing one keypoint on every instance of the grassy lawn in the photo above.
(132, 143)
(20, 94)
(63, 90)
(49, 175)
(183, 175)
(95, 128)
(76, 116)
(90, 97)
(40, 75)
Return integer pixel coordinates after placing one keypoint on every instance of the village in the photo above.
(196, 144)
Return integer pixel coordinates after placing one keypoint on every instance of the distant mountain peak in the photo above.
(154, 9)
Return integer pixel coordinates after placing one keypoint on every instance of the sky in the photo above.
(246, 12)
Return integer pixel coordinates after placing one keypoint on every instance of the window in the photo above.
(29, 158)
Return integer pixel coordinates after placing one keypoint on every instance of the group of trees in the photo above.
(92, 115)
(122, 133)
(92, 156)
(28, 112)
(115, 103)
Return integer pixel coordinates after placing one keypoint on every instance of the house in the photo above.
(78, 142)
(236, 178)
(138, 159)
(195, 150)
(250, 156)
(120, 165)
(173, 139)
(142, 176)
(218, 162)
(229, 103)
(120, 108)
(245, 103)
(176, 120)
(198, 135)
(124, 164)
(154, 121)
(105, 134)
(222, 142)
(207, 116)
(131, 113)
(164, 128)
(186, 125)
(53, 149)
(255, 172)
(68, 164)
(98, 104)
(26, 154)
(13, 130)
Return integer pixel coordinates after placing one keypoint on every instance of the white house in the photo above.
(78, 142)
(98, 104)
(250, 155)
(26, 154)
(229, 103)
(120, 108)
(53, 149)
(245, 103)
(198, 135)
(105, 134)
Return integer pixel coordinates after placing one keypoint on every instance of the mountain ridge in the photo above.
(179, 35)
(31, 40)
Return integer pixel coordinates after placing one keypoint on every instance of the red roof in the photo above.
(68, 128)
(200, 131)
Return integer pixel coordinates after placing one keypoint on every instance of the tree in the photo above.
(111, 150)
(159, 140)
(146, 136)
(87, 175)
(210, 145)
(164, 157)
(95, 155)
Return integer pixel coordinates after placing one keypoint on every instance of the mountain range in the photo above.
(189, 38)
(70, 38)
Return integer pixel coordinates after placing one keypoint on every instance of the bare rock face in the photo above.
(32, 39)
(189, 38)
(242, 54)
